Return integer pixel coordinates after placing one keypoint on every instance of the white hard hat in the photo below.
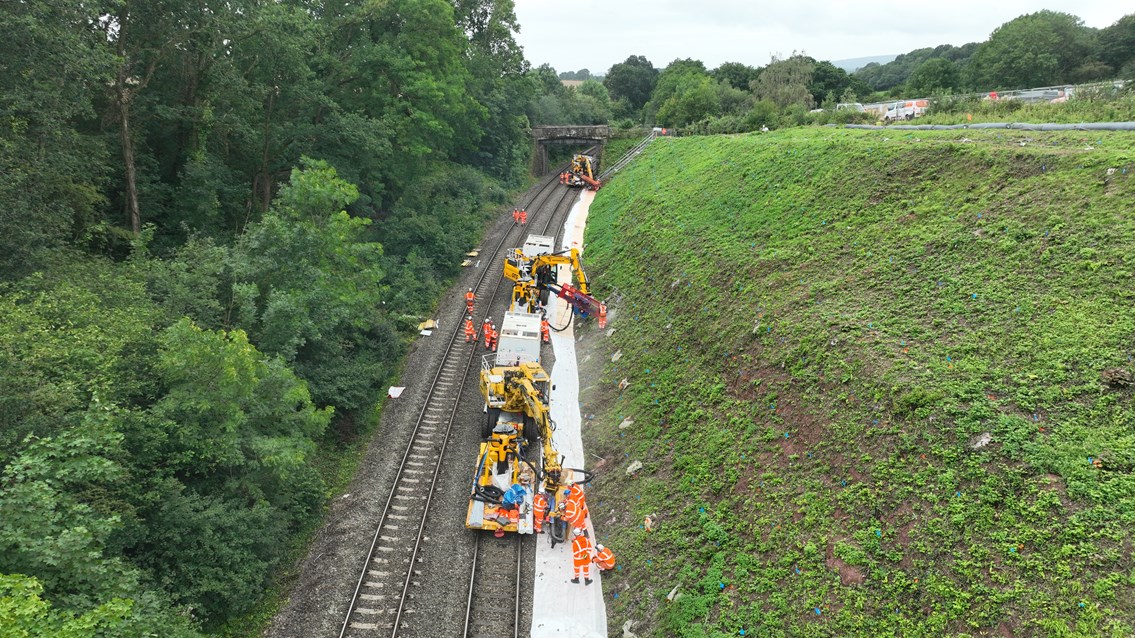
(600, 546)
(579, 531)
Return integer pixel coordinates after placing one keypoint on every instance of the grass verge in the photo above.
(879, 384)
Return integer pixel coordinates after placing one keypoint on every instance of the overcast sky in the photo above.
(595, 34)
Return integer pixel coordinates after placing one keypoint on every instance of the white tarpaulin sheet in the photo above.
(560, 608)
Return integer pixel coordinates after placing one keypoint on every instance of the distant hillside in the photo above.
(852, 65)
(876, 384)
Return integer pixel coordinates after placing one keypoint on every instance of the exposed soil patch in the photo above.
(848, 574)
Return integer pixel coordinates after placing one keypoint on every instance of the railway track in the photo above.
(387, 599)
(495, 577)
(494, 588)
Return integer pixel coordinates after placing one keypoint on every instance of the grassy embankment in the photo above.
(865, 382)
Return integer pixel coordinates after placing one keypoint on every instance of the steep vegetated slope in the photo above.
(880, 384)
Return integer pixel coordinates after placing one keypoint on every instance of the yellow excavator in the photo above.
(535, 276)
(517, 458)
(581, 173)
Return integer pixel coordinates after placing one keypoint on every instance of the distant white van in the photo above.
(850, 106)
(907, 110)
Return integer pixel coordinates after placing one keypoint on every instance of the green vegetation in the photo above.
(1100, 105)
(1038, 49)
(220, 225)
(881, 384)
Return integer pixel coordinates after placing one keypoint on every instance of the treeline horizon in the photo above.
(1045, 48)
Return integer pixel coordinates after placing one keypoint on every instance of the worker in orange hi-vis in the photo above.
(493, 341)
(539, 511)
(487, 330)
(574, 492)
(604, 558)
(515, 216)
(470, 331)
(545, 331)
(574, 512)
(523, 217)
(469, 297)
(581, 556)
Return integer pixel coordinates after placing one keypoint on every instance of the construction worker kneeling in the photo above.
(604, 558)
(581, 556)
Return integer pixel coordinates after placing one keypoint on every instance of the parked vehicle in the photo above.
(907, 110)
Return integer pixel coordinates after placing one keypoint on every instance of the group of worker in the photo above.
(573, 511)
(519, 216)
(489, 329)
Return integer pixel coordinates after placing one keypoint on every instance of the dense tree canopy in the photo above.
(218, 221)
(935, 74)
(882, 77)
(739, 76)
(1038, 49)
(632, 80)
(1117, 47)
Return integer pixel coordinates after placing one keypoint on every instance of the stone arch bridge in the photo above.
(545, 135)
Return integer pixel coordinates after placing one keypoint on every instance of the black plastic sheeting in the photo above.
(1087, 126)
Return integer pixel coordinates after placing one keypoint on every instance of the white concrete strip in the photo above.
(560, 608)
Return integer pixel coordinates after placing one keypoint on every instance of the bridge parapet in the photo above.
(571, 134)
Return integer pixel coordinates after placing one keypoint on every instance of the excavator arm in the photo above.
(533, 276)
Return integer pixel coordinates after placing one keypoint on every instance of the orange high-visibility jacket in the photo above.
(605, 558)
(575, 494)
(575, 514)
(540, 506)
(581, 550)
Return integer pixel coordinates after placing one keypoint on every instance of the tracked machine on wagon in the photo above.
(582, 173)
(517, 458)
(534, 271)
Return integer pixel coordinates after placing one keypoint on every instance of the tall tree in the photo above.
(1038, 49)
(676, 76)
(140, 34)
(829, 82)
(787, 81)
(738, 75)
(497, 65)
(307, 286)
(632, 80)
(695, 98)
(400, 79)
(52, 68)
(935, 74)
(1117, 46)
